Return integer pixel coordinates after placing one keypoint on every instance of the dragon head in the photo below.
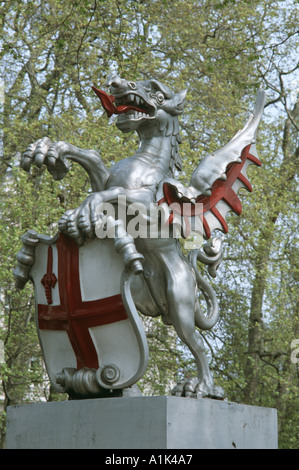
(141, 105)
(148, 107)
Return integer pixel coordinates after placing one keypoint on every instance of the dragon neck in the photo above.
(163, 144)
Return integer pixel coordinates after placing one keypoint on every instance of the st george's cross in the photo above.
(82, 319)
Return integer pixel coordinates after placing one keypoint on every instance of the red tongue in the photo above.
(107, 103)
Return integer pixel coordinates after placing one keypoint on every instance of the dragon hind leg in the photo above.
(203, 385)
(182, 307)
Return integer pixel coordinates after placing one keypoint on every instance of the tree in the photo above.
(272, 323)
(222, 51)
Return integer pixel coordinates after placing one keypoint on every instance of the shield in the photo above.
(89, 330)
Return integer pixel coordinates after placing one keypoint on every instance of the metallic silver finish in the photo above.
(25, 258)
(79, 383)
(55, 156)
(127, 280)
(213, 166)
(108, 374)
(208, 320)
(167, 282)
(125, 246)
(211, 255)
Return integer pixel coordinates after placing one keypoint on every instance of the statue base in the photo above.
(159, 422)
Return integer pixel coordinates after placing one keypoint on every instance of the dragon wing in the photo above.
(214, 165)
(217, 179)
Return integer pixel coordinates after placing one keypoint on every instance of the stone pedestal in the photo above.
(164, 422)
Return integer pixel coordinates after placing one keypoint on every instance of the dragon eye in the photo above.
(160, 97)
(132, 85)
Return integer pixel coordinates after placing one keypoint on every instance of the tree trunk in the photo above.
(277, 192)
(255, 335)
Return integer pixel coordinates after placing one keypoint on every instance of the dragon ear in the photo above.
(178, 102)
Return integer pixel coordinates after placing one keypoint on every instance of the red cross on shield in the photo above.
(87, 319)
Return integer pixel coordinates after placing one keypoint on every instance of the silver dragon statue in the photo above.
(168, 283)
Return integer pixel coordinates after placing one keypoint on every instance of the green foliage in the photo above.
(222, 51)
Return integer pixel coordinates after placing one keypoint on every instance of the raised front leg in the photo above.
(55, 155)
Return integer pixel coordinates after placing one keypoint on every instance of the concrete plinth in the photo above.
(141, 423)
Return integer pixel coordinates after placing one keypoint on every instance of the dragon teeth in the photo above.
(134, 99)
(132, 114)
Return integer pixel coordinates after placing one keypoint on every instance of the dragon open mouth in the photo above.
(130, 104)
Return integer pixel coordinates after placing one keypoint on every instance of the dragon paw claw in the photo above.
(193, 388)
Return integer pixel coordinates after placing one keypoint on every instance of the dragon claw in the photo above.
(63, 221)
(78, 224)
(194, 388)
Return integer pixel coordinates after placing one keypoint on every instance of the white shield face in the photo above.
(81, 318)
